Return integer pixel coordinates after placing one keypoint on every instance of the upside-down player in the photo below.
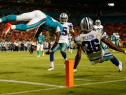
(36, 19)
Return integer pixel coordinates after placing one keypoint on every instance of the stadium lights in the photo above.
(111, 4)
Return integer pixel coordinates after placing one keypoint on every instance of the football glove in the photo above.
(31, 49)
(48, 52)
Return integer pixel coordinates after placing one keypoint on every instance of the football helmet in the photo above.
(98, 22)
(86, 24)
(63, 18)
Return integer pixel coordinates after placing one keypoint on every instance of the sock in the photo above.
(8, 18)
(13, 27)
(63, 54)
(115, 61)
(37, 52)
(42, 51)
(52, 56)
(52, 65)
(21, 27)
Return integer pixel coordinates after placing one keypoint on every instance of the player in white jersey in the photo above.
(36, 19)
(89, 41)
(98, 25)
(63, 40)
(117, 39)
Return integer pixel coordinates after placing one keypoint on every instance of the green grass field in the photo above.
(24, 74)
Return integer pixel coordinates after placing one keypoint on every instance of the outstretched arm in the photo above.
(56, 41)
(111, 45)
(77, 57)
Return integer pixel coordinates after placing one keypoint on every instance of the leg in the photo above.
(38, 46)
(35, 18)
(63, 50)
(41, 48)
(52, 57)
(108, 56)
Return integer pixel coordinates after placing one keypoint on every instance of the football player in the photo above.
(117, 39)
(98, 25)
(40, 44)
(63, 40)
(36, 19)
(113, 39)
(89, 41)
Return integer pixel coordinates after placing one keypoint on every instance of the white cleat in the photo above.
(50, 69)
(75, 70)
(38, 56)
(120, 66)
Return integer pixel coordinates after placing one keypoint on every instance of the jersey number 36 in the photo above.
(92, 46)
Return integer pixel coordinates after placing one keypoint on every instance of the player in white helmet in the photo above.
(98, 25)
(63, 40)
(117, 39)
(89, 41)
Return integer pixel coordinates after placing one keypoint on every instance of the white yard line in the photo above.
(84, 80)
(101, 82)
(28, 91)
(32, 83)
(60, 87)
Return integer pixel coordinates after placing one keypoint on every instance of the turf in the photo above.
(19, 67)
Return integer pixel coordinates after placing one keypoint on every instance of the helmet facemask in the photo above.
(63, 18)
(98, 22)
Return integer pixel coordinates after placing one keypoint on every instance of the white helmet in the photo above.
(63, 16)
(98, 22)
(86, 24)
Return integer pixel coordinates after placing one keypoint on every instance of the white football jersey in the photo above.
(117, 37)
(64, 34)
(95, 27)
(90, 44)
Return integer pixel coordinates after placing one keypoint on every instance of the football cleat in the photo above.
(38, 56)
(50, 69)
(7, 29)
(120, 66)
(75, 70)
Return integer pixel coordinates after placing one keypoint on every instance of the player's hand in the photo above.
(125, 52)
(31, 50)
(48, 52)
